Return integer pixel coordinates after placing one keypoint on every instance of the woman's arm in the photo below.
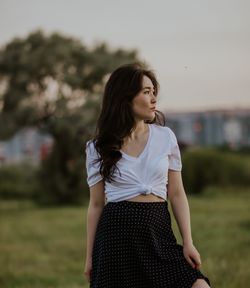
(96, 204)
(179, 204)
(180, 207)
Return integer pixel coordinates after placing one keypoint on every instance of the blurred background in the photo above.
(55, 58)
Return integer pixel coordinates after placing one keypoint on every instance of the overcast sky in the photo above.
(199, 49)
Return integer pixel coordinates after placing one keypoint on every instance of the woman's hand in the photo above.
(192, 255)
(88, 268)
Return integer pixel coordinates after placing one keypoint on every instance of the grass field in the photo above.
(45, 247)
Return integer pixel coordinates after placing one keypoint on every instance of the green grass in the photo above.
(45, 247)
(220, 223)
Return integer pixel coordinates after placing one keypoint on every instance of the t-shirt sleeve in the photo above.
(175, 162)
(92, 165)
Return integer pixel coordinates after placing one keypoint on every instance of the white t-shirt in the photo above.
(145, 174)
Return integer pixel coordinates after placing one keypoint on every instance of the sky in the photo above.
(199, 49)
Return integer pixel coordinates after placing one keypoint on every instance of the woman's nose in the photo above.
(153, 95)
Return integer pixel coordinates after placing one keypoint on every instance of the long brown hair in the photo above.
(116, 119)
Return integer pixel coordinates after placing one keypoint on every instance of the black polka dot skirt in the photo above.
(135, 247)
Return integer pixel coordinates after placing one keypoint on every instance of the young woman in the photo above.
(133, 171)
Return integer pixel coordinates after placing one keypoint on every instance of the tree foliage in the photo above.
(55, 83)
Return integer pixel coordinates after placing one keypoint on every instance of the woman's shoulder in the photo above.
(90, 148)
(89, 144)
(162, 130)
(165, 135)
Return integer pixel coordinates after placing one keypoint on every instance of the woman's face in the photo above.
(144, 103)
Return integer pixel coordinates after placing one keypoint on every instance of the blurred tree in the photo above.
(55, 83)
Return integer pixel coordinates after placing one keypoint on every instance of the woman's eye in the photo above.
(147, 92)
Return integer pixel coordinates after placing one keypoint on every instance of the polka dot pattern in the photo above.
(135, 247)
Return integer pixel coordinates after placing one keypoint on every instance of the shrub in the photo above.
(206, 166)
(18, 181)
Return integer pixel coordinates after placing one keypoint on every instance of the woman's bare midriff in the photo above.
(146, 198)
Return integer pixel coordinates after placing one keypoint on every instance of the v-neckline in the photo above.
(144, 150)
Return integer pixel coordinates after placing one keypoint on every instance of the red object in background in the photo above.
(197, 126)
(45, 149)
(2, 158)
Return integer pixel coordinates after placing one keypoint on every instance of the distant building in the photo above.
(28, 144)
(212, 128)
(208, 128)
